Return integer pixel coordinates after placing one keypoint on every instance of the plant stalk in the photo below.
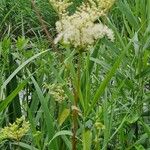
(75, 109)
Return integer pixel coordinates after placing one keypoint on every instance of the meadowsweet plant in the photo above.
(16, 130)
(81, 30)
(79, 71)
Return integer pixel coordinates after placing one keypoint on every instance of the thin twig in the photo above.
(39, 16)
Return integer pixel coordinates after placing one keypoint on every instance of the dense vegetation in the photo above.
(53, 97)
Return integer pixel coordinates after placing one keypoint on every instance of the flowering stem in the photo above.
(75, 109)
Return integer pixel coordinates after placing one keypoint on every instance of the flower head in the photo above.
(61, 6)
(80, 29)
(57, 92)
(16, 130)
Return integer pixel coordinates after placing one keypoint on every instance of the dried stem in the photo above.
(39, 16)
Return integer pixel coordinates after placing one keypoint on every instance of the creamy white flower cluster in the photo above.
(16, 130)
(56, 91)
(80, 29)
(61, 6)
(105, 4)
